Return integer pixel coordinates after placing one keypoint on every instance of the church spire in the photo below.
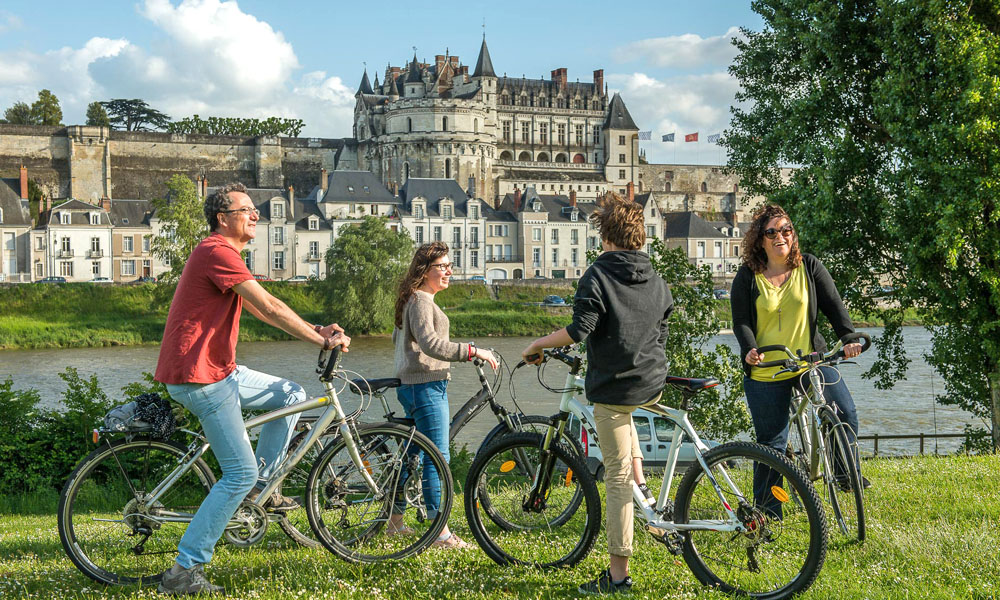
(484, 66)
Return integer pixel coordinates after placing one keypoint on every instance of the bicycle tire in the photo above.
(295, 523)
(104, 486)
(846, 495)
(528, 537)
(348, 519)
(539, 425)
(769, 538)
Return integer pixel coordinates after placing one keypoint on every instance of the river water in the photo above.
(909, 408)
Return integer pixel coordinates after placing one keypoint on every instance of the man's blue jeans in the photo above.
(769, 403)
(219, 406)
(427, 405)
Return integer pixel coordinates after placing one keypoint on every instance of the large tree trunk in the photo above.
(995, 401)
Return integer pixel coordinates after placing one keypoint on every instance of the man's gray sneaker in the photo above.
(605, 585)
(178, 581)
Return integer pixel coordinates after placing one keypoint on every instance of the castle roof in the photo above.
(413, 73)
(515, 85)
(618, 117)
(484, 65)
(366, 86)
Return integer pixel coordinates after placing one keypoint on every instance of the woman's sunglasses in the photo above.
(785, 231)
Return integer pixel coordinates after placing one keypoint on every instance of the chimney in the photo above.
(106, 204)
(204, 186)
(24, 182)
(572, 198)
(197, 187)
(439, 62)
(291, 202)
(454, 62)
(322, 181)
(517, 200)
(631, 191)
(464, 72)
(394, 71)
(598, 81)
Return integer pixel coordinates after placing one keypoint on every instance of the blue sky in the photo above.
(304, 59)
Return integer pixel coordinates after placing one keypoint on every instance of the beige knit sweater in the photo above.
(423, 350)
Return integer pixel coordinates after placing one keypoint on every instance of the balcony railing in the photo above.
(505, 258)
(65, 254)
(15, 277)
(95, 254)
(313, 258)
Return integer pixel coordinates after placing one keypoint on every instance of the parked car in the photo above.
(721, 294)
(144, 279)
(52, 279)
(553, 301)
(100, 280)
(478, 279)
(297, 279)
(655, 433)
(260, 277)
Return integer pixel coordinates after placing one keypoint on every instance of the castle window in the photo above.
(475, 125)
(278, 210)
(447, 167)
(444, 124)
(543, 133)
(525, 132)
(597, 137)
(621, 140)
(409, 125)
(704, 186)
(666, 187)
(506, 132)
(579, 135)
(406, 171)
(561, 129)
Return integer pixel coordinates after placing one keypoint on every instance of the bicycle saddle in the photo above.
(689, 384)
(373, 386)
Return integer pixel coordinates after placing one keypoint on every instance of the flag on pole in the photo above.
(714, 138)
(645, 135)
(691, 137)
(668, 137)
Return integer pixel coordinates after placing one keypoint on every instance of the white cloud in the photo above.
(212, 60)
(687, 51)
(680, 105)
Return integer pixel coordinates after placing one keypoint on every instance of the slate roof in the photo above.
(433, 190)
(366, 86)
(413, 74)
(643, 199)
(76, 210)
(514, 85)
(688, 225)
(131, 213)
(484, 66)
(556, 205)
(356, 186)
(618, 117)
(14, 213)
(499, 215)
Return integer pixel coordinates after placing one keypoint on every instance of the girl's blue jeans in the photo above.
(427, 405)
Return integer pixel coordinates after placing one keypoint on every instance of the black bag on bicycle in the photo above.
(147, 413)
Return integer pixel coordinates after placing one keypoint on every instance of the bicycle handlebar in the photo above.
(561, 354)
(327, 366)
(813, 358)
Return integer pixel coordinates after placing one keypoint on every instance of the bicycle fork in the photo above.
(535, 500)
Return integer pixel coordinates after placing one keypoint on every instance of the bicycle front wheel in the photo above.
(295, 523)
(109, 529)
(557, 531)
(352, 520)
(844, 488)
(778, 546)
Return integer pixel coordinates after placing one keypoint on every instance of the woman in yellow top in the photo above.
(776, 296)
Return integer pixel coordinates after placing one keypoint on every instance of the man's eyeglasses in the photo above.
(245, 210)
(443, 267)
(785, 231)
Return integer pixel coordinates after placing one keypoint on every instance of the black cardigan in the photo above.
(822, 295)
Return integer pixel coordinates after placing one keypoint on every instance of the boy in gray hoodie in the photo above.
(621, 308)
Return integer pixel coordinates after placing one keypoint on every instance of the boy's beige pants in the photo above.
(619, 443)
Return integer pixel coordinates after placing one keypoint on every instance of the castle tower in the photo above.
(621, 143)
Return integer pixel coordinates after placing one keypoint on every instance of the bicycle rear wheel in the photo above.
(844, 488)
(349, 519)
(781, 545)
(106, 526)
(559, 532)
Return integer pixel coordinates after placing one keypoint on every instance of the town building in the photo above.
(76, 240)
(15, 226)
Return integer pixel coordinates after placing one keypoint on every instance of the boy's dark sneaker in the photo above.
(604, 585)
(178, 581)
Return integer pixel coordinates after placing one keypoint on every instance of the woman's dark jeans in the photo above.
(769, 402)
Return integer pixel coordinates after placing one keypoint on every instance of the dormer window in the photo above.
(95, 219)
(313, 224)
(418, 211)
(277, 210)
(574, 216)
(446, 211)
(350, 189)
(64, 218)
(124, 221)
(366, 190)
(474, 211)
(536, 206)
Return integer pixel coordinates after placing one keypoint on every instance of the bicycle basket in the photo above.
(148, 413)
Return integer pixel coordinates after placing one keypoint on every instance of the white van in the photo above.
(655, 433)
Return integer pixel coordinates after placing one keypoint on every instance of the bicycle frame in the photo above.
(334, 413)
(569, 405)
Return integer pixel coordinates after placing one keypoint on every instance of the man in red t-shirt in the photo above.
(198, 364)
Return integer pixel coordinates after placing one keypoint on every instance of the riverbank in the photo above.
(932, 530)
(82, 315)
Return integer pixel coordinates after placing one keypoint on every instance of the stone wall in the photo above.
(90, 162)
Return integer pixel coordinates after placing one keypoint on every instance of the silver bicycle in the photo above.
(820, 443)
(126, 505)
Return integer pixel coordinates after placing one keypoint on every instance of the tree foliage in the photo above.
(45, 110)
(182, 225)
(19, 114)
(363, 268)
(238, 126)
(134, 115)
(890, 111)
(97, 116)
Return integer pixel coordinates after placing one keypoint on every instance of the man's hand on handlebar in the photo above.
(337, 338)
(485, 355)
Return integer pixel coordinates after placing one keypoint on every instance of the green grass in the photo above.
(934, 531)
(533, 293)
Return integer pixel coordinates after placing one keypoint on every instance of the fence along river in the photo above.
(908, 408)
